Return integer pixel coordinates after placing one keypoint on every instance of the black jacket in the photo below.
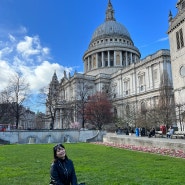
(63, 173)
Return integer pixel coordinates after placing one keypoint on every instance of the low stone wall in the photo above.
(177, 144)
(47, 136)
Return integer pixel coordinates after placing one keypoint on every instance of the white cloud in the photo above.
(29, 46)
(149, 44)
(26, 55)
(6, 71)
(4, 52)
(162, 39)
(12, 38)
(41, 75)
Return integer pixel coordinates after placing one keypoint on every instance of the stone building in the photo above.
(176, 32)
(112, 63)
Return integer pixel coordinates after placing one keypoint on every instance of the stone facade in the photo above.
(112, 62)
(176, 34)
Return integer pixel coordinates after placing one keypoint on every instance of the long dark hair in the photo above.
(55, 151)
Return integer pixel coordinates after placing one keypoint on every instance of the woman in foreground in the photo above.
(62, 169)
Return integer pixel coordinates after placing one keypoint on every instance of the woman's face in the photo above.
(61, 153)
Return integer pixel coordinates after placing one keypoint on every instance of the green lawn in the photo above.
(94, 164)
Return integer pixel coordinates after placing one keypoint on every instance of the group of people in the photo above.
(168, 134)
(62, 170)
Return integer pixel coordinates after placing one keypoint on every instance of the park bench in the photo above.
(158, 133)
(178, 134)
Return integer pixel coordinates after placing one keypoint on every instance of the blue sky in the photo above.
(38, 37)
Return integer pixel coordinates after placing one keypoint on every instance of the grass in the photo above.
(94, 164)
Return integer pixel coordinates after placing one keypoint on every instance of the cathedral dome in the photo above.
(110, 28)
(111, 47)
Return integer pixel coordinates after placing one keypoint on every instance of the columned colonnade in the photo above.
(109, 59)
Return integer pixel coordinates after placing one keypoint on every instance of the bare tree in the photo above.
(17, 93)
(129, 117)
(5, 109)
(153, 118)
(98, 110)
(83, 91)
(40, 120)
(180, 114)
(166, 106)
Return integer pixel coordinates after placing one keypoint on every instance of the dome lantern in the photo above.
(110, 12)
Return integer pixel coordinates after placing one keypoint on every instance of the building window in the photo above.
(179, 39)
(183, 5)
(141, 82)
(126, 87)
(182, 71)
(155, 75)
(141, 88)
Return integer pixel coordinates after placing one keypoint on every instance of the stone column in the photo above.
(60, 118)
(102, 58)
(108, 59)
(96, 60)
(148, 78)
(161, 69)
(114, 58)
(150, 75)
(88, 64)
(56, 119)
(135, 58)
(131, 58)
(126, 58)
(133, 82)
(119, 87)
(121, 58)
(85, 65)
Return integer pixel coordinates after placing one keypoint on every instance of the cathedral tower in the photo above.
(176, 34)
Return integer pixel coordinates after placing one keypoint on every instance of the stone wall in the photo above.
(177, 144)
(47, 136)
